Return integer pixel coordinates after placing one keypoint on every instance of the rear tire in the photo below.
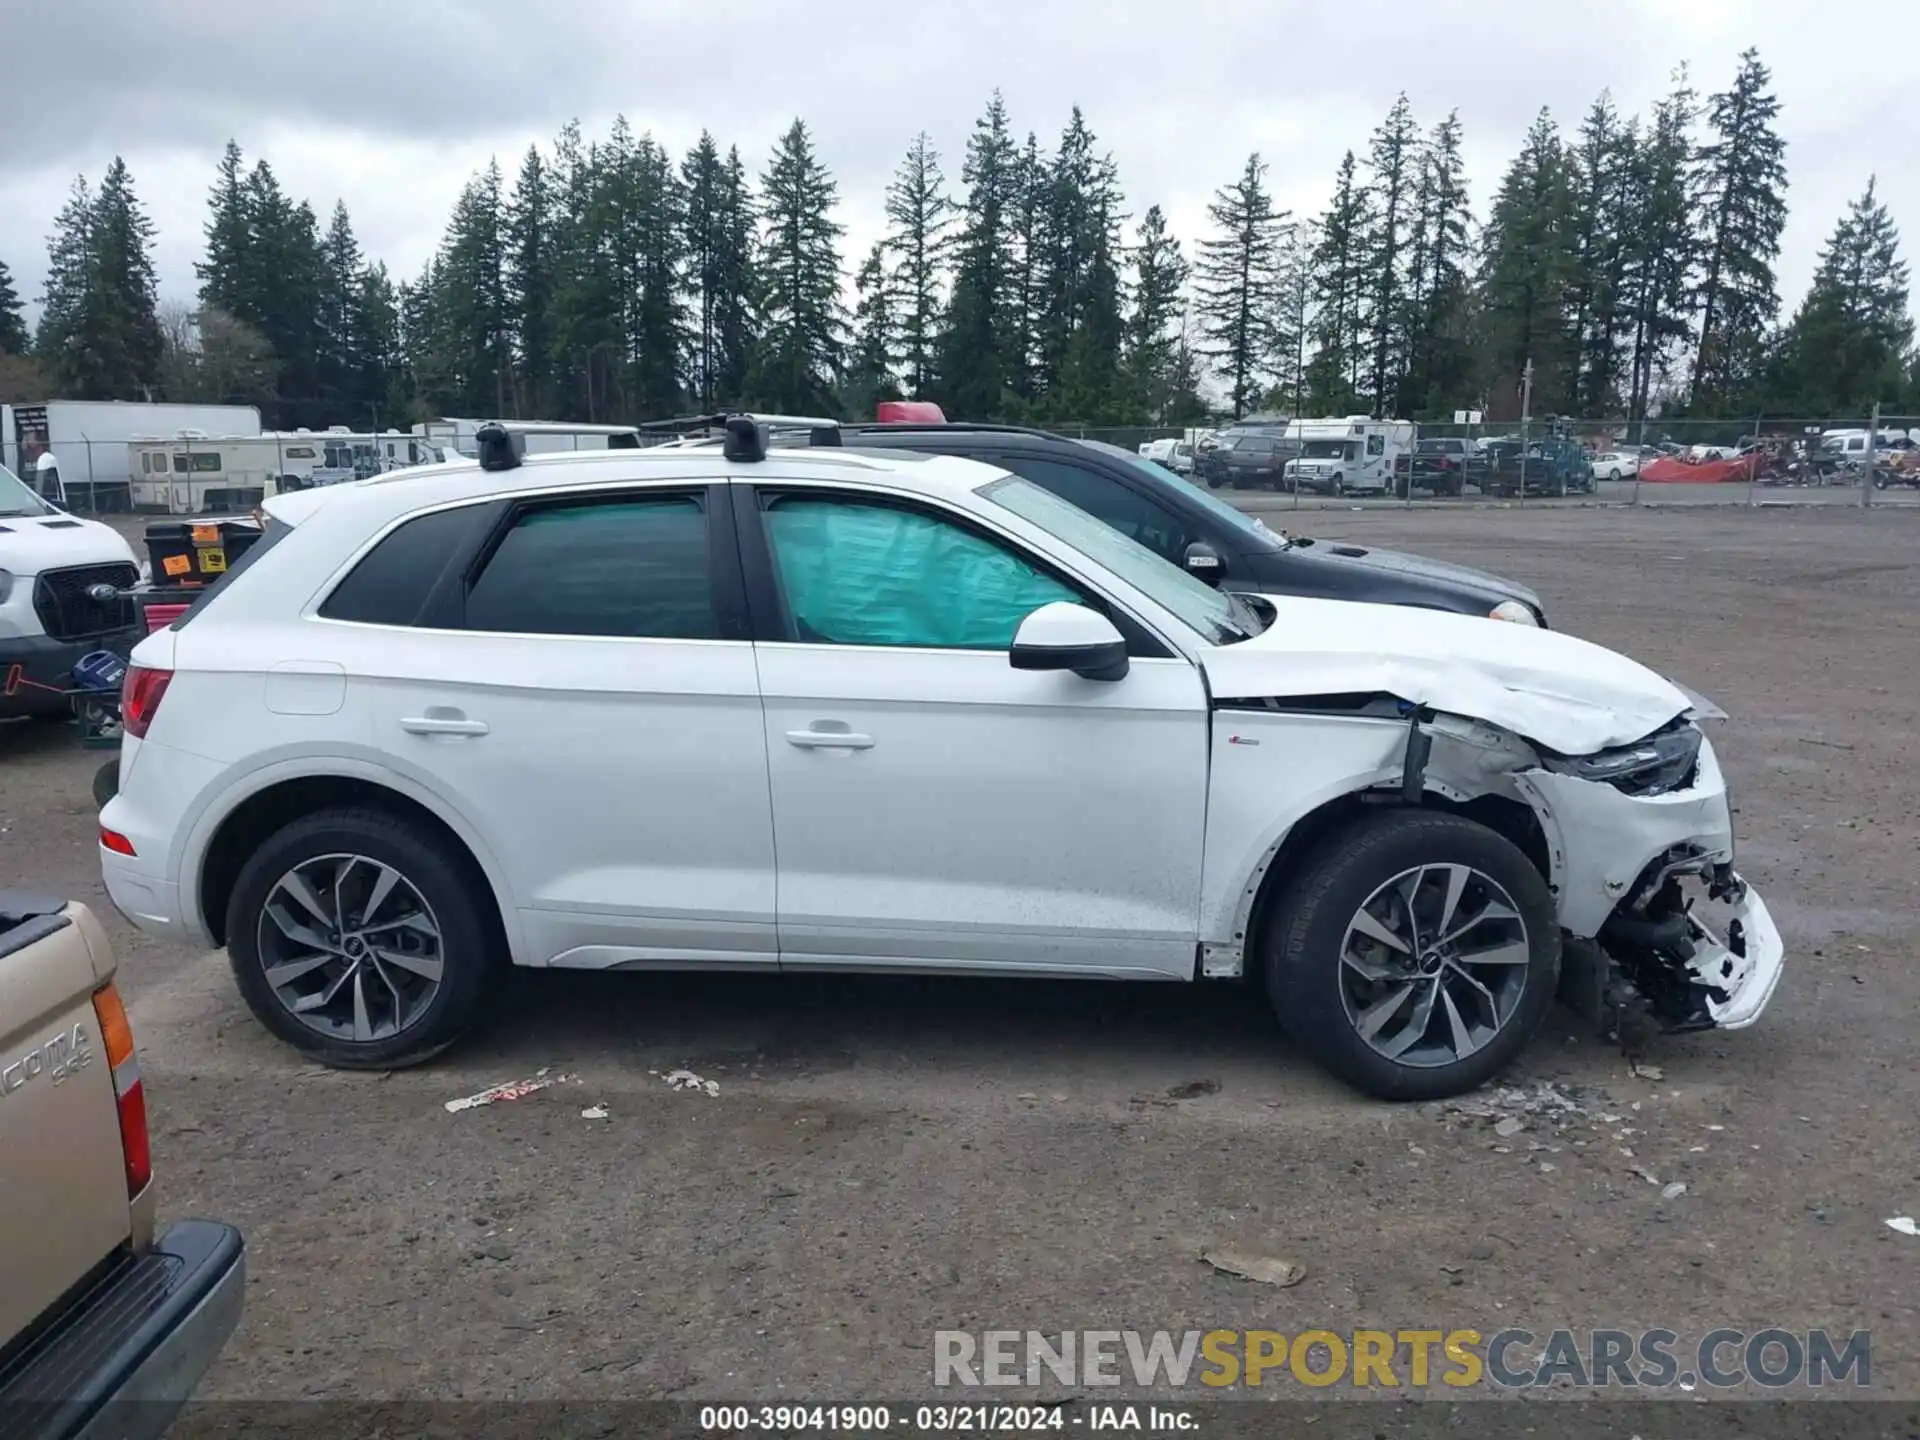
(1476, 941)
(405, 972)
(106, 783)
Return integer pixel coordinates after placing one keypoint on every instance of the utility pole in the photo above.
(1526, 413)
(1866, 476)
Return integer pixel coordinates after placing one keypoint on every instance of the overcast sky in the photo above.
(391, 105)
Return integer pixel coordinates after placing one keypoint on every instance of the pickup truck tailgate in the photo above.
(64, 1178)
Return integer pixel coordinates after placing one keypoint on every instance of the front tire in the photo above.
(1414, 955)
(359, 940)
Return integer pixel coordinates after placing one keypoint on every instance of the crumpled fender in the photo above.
(1599, 840)
(1554, 689)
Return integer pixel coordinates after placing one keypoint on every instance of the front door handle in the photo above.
(442, 723)
(829, 735)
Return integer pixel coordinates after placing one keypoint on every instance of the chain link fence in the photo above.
(1749, 463)
(1756, 462)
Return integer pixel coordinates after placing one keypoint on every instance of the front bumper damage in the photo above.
(1680, 936)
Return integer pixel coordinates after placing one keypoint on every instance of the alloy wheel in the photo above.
(1433, 965)
(350, 947)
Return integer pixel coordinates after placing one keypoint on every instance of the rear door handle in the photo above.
(442, 724)
(829, 735)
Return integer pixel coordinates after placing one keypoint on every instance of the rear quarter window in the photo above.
(393, 581)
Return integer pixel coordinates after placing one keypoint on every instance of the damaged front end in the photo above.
(1670, 963)
(1642, 846)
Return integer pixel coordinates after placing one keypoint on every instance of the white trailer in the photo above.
(88, 439)
(541, 436)
(1353, 454)
(195, 474)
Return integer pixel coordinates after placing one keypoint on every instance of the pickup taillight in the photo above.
(131, 1097)
(140, 696)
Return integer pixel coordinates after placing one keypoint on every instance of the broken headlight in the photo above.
(1657, 765)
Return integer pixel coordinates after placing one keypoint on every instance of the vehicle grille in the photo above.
(67, 612)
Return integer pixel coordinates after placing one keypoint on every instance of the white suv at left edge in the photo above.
(826, 709)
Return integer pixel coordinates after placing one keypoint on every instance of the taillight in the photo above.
(140, 697)
(117, 1036)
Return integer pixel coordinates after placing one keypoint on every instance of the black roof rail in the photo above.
(884, 427)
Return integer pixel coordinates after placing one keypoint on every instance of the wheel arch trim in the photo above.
(335, 765)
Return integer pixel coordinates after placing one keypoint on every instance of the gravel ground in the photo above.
(886, 1158)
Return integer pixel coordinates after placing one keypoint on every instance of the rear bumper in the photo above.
(46, 667)
(119, 1365)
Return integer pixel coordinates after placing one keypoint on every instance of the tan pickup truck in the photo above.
(104, 1328)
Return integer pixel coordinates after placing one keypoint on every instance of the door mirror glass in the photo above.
(1203, 562)
(1063, 636)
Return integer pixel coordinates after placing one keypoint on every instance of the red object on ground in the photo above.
(909, 412)
(1672, 470)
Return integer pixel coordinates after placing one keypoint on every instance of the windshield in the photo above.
(1240, 520)
(17, 499)
(1327, 450)
(1197, 604)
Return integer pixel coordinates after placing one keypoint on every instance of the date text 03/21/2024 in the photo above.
(940, 1419)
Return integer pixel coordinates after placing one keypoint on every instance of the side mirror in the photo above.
(1203, 562)
(1064, 636)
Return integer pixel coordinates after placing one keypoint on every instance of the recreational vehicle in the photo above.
(540, 436)
(1350, 456)
(189, 473)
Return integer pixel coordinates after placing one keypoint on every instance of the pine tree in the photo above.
(1740, 193)
(981, 328)
(1439, 360)
(1660, 246)
(13, 320)
(228, 273)
(1526, 266)
(703, 175)
(1340, 276)
(275, 284)
(1292, 312)
(1154, 326)
(1393, 158)
(532, 279)
(1847, 347)
(719, 244)
(61, 342)
(1237, 284)
(379, 357)
(1079, 333)
(737, 296)
(1602, 167)
(870, 374)
(341, 266)
(798, 362)
(100, 335)
(659, 325)
(585, 337)
(469, 300)
(920, 213)
(1025, 300)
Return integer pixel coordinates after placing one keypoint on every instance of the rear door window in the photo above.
(631, 566)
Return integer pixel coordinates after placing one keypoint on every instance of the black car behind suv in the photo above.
(1192, 528)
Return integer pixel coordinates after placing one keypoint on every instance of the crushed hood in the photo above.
(1558, 691)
